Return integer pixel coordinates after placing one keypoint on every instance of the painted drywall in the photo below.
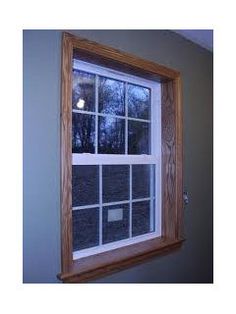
(41, 216)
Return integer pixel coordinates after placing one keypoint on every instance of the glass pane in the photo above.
(138, 102)
(85, 185)
(115, 183)
(138, 137)
(83, 93)
(83, 133)
(111, 96)
(85, 228)
(111, 136)
(141, 181)
(141, 220)
(115, 223)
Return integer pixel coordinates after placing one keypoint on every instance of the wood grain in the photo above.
(179, 158)
(172, 159)
(103, 55)
(66, 149)
(172, 185)
(168, 160)
(118, 259)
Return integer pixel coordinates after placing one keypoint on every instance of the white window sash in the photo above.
(154, 158)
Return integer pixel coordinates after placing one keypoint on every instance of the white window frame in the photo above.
(108, 159)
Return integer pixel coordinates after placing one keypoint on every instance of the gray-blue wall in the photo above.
(42, 60)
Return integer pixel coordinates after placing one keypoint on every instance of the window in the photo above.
(116, 140)
(121, 144)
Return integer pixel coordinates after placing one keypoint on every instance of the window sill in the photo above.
(106, 263)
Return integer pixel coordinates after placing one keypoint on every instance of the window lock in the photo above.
(186, 197)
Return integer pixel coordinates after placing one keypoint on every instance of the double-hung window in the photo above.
(121, 160)
(116, 159)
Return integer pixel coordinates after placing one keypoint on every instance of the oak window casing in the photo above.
(172, 234)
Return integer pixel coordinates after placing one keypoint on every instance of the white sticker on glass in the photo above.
(115, 214)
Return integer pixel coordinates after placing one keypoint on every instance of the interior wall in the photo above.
(41, 208)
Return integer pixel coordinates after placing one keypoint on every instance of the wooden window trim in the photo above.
(101, 264)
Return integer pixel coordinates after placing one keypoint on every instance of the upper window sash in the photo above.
(155, 117)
